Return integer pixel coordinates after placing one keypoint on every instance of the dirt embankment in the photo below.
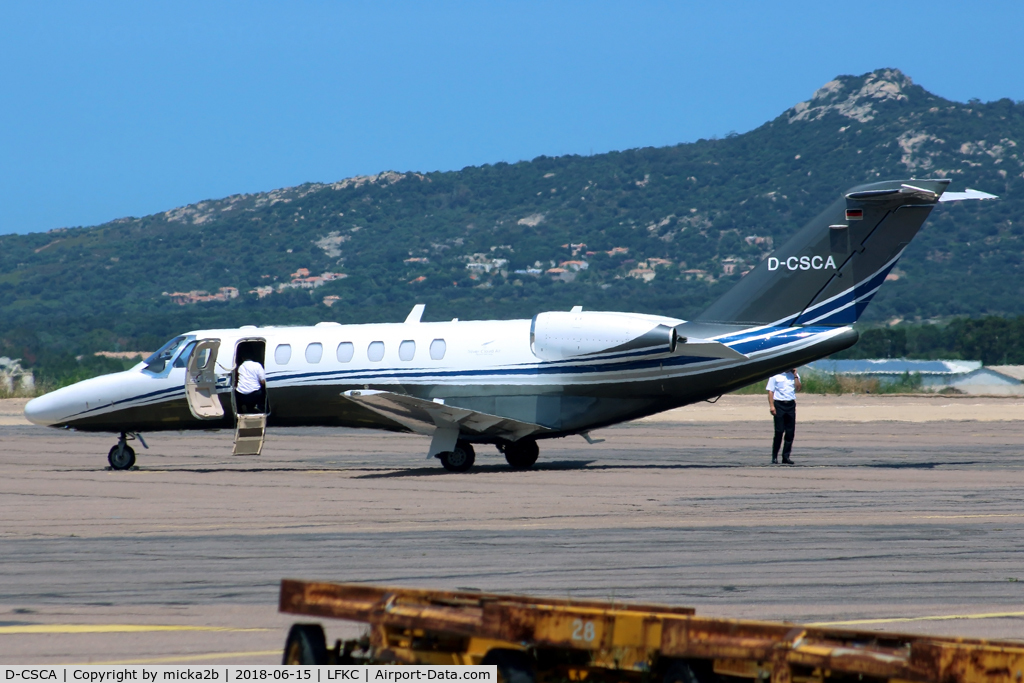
(12, 411)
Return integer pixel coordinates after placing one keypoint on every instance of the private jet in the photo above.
(513, 383)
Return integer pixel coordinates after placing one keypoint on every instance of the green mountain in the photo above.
(661, 230)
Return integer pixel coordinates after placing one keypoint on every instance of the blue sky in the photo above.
(113, 109)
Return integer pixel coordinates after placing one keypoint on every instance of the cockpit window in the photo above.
(158, 361)
(182, 360)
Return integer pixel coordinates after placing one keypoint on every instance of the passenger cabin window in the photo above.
(407, 349)
(345, 351)
(203, 358)
(314, 352)
(375, 351)
(283, 354)
(437, 349)
(158, 361)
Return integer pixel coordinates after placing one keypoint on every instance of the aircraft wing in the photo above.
(429, 417)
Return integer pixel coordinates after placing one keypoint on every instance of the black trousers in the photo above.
(785, 426)
(251, 403)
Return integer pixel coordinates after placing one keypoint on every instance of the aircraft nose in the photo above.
(58, 406)
(69, 403)
(45, 410)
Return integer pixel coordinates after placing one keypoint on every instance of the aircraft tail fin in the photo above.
(827, 273)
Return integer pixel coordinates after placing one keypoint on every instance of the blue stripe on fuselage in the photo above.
(161, 393)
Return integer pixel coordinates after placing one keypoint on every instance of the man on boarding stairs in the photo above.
(251, 388)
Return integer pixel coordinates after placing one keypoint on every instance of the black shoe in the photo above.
(787, 461)
(775, 461)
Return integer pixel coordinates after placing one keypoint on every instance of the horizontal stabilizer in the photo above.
(706, 348)
(423, 416)
(969, 194)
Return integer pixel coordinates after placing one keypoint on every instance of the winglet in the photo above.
(415, 314)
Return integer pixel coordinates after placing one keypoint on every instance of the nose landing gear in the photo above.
(121, 455)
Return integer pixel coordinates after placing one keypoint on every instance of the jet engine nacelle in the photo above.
(558, 335)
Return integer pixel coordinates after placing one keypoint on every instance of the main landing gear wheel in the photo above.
(306, 644)
(521, 455)
(459, 460)
(121, 456)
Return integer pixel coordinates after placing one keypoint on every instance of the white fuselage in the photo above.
(490, 367)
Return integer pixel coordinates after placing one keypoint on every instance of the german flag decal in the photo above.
(854, 214)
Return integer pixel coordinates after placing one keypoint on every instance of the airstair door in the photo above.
(201, 381)
(249, 434)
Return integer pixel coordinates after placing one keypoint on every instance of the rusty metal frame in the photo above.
(625, 639)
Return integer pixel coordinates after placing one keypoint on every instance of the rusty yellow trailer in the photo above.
(549, 639)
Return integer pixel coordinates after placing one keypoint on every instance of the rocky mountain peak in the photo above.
(212, 209)
(855, 97)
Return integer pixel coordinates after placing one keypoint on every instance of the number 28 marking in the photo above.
(583, 630)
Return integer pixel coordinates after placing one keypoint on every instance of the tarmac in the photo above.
(901, 514)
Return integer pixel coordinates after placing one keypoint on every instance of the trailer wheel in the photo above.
(680, 671)
(514, 666)
(306, 644)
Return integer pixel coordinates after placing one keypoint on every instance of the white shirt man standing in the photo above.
(782, 390)
(251, 387)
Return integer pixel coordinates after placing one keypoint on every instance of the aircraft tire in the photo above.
(521, 455)
(121, 457)
(306, 644)
(459, 460)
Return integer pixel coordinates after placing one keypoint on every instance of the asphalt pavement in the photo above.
(898, 524)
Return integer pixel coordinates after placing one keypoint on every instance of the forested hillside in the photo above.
(660, 230)
(994, 340)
